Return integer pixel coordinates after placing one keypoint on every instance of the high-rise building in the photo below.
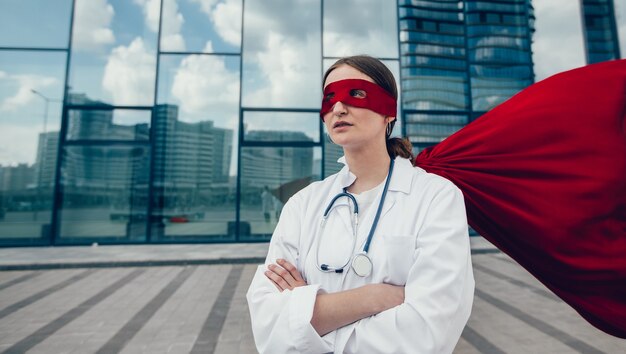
(46, 163)
(600, 30)
(458, 60)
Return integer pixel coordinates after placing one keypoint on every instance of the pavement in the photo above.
(191, 299)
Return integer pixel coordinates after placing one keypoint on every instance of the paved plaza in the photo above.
(145, 300)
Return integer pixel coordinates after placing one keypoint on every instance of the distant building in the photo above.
(46, 162)
(274, 166)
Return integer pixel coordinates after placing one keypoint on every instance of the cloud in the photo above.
(558, 42)
(129, 74)
(372, 28)
(207, 90)
(173, 20)
(225, 16)
(227, 21)
(288, 77)
(23, 95)
(280, 65)
(91, 25)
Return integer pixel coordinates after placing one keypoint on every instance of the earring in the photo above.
(388, 130)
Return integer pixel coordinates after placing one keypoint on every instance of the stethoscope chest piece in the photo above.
(362, 265)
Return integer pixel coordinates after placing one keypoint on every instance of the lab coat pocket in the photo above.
(400, 254)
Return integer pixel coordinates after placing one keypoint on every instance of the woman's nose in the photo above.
(339, 109)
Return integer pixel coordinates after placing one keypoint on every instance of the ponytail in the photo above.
(401, 147)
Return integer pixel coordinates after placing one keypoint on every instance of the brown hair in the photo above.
(383, 77)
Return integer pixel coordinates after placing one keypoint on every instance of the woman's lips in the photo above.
(341, 125)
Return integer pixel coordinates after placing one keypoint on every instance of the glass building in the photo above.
(164, 121)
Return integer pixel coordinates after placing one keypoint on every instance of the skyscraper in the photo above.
(460, 59)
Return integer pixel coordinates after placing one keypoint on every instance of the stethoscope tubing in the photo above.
(331, 205)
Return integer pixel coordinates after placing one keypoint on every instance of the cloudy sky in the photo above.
(115, 44)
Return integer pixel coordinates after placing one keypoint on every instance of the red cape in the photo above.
(544, 179)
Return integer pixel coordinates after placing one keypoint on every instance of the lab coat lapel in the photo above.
(401, 182)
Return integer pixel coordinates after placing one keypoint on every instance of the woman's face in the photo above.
(349, 126)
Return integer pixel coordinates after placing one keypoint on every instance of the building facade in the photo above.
(164, 121)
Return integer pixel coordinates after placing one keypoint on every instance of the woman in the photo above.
(397, 280)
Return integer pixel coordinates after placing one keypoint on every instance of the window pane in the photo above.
(105, 193)
(281, 57)
(433, 128)
(558, 42)
(35, 23)
(269, 177)
(433, 56)
(31, 92)
(371, 28)
(281, 126)
(108, 124)
(114, 51)
(195, 162)
(201, 26)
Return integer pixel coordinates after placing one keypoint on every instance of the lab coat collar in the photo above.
(401, 179)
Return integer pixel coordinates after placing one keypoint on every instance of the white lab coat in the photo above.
(421, 242)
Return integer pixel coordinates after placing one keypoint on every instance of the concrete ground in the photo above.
(191, 299)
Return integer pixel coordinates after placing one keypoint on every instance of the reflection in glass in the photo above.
(294, 126)
(269, 177)
(281, 54)
(195, 160)
(108, 124)
(432, 36)
(372, 28)
(433, 128)
(105, 192)
(601, 30)
(35, 23)
(500, 64)
(201, 26)
(114, 52)
(31, 91)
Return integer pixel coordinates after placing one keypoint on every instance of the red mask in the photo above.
(358, 93)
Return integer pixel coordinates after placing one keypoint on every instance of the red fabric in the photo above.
(376, 98)
(544, 179)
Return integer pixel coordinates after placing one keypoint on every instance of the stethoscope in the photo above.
(361, 263)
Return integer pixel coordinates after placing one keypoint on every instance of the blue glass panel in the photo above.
(105, 193)
(114, 51)
(282, 54)
(31, 92)
(195, 148)
(35, 23)
(269, 177)
(201, 26)
(433, 128)
(108, 124)
(281, 126)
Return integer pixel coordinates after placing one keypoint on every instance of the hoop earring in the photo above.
(388, 130)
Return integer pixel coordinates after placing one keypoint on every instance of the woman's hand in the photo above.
(284, 275)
